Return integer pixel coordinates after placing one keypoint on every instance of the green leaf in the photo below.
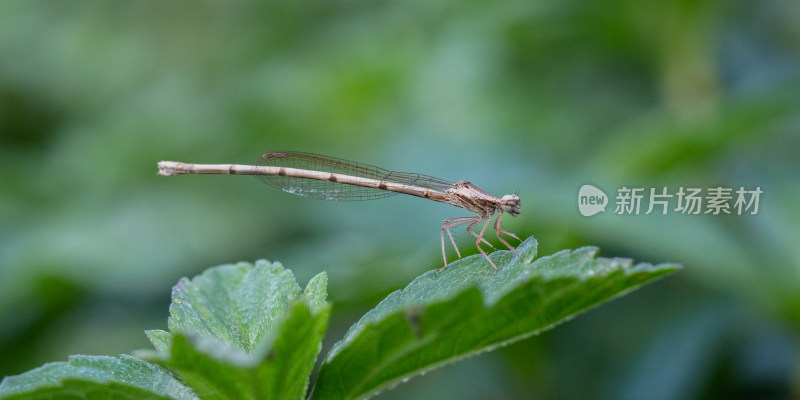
(465, 309)
(161, 340)
(244, 332)
(95, 377)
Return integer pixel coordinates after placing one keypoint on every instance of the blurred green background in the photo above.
(540, 97)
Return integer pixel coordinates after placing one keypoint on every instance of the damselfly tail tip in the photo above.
(169, 168)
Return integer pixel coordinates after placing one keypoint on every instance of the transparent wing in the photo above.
(327, 190)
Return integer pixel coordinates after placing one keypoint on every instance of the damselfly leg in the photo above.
(498, 230)
(472, 221)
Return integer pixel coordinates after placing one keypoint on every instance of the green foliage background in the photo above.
(540, 97)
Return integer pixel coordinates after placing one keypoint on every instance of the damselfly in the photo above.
(328, 178)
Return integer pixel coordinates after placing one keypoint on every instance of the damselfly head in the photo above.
(510, 204)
